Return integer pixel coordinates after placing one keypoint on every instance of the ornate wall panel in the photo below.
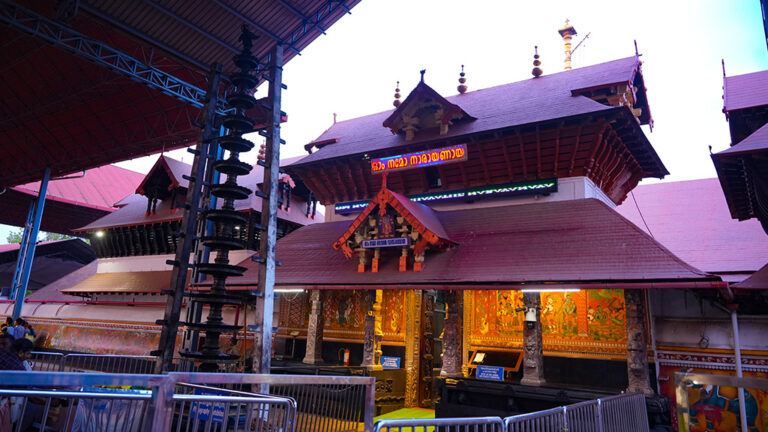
(585, 323)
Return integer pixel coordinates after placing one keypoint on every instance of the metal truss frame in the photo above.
(76, 43)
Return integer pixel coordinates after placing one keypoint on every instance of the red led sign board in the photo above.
(425, 158)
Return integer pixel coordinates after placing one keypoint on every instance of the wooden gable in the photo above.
(424, 109)
(391, 217)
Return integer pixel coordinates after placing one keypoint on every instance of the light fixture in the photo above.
(553, 290)
(289, 290)
(99, 234)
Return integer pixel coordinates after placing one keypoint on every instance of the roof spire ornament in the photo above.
(422, 72)
(536, 63)
(397, 102)
(568, 32)
(462, 88)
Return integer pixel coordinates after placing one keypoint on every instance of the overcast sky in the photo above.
(353, 69)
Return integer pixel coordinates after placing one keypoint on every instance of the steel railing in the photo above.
(469, 424)
(619, 413)
(180, 401)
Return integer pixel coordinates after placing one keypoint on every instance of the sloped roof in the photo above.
(578, 242)
(745, 91)
(692, 220)
(70, 203)
(53, 291)
(123, 282)
(176, 170)
(53, 260)
(133, 208)
(525, 102)
(758, 141)
(757, 281)
(423, 90)
(99, 189)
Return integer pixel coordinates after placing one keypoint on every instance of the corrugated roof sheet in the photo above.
(692, 220)
(530, 101)
(758, 141)
(133, 209)
(128, 282)
(100, 189)
(758, 280)
(566, 241)
(745, 91)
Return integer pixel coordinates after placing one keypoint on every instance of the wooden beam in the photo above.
(557, 147)
(538, 153)
(347, 171)
(483, 162)
(599, 143)
(359, 170)
(522, 154)
(575, 149)
(510, 172)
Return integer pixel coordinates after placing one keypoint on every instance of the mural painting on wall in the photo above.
(99, 338)
(585, 321)
(393, 315)
(714, 408)
(344, 310)
(605, 315)
(558, 314)
(294, 312)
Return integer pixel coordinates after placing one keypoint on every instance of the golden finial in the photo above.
(397, 102)
(462, 88)
(567, 32)
(536, 63)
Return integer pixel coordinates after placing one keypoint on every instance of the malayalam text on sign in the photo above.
(425, 158)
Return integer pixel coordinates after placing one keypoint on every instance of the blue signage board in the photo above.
(491, 373)
(390, 362)
(205, 411)
(388, 242)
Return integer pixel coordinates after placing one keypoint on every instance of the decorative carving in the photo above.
(373, 333)
(452, 361)
(314, 353)
(637, 349)
(412, 348)
(427, 348)
(533, 365)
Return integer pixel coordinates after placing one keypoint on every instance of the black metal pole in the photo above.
(188, 228)
(263, 352)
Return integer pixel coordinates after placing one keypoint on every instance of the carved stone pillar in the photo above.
(412, 347)
(533, 346)
(315, 329)
(637, 349)
(452, 361)
(373, 333)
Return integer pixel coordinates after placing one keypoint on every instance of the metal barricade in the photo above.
(469, 424)
(82, 404)
(324, 403)
(44, 361)
(619, 413)
(583, 416)
(551, 420)
(625, 412)
(109, 363)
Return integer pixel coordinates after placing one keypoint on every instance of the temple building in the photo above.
(483, 253)
(476, 238)
(111, 305)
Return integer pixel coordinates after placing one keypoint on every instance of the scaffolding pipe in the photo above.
(27, 247)
(737, 352)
